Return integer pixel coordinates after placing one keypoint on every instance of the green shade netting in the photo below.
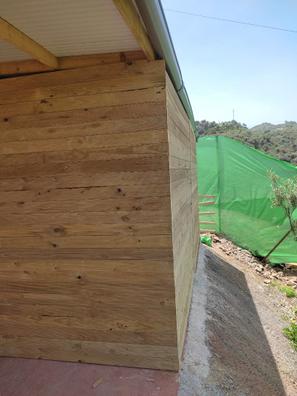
(237, 175)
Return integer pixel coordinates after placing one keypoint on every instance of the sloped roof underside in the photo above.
(67, 27)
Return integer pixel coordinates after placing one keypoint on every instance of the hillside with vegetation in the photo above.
(278, 140)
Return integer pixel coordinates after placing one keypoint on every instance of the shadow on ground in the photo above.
(227, 352)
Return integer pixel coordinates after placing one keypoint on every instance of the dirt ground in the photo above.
(286, 274)
(235, 344)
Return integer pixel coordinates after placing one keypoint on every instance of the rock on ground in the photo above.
(285, 274)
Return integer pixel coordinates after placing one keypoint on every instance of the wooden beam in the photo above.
(206, 196)
(20, 40)
(206, 203)
(32, 66)
(128, 11)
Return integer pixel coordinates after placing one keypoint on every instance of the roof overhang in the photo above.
(71, 33)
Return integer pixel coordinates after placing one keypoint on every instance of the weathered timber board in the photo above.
(98, 229)
(184, 198)
(86, 268)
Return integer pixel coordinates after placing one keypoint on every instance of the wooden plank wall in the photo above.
(184, 204)
(86, 268)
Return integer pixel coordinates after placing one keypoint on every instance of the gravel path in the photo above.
(234, 343)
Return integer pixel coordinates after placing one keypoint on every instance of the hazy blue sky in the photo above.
(228, 66)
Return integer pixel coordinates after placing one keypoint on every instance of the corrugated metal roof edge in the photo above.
(155, 22)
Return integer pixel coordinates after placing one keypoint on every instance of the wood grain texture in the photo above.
(30, 66)
(184, 206)
(85, 237)
(162, 357)
(97, 232)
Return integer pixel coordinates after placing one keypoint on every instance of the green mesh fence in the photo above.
(236, 175)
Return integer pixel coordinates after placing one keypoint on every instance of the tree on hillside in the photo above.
(213, 128)
(278, 140)
(285, 197)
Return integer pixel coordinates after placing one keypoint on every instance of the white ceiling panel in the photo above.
(67, 27)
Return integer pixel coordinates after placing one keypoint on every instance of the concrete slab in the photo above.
(29, 377)
(234, 344)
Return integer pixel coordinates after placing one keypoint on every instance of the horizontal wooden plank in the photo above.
(30, 66)
(117, 83)
(85, 142)
(95, 322)
(154, 121)
(123, 329)
(94, 329)
(154, 94)
(93, 253)
(112, 230)
(81, 116)
(104, 296)
(159, 357)
(206, 196)
(80, 61)
(138, 272)
(118, 179)
(81, 166)
(67, 291)
(77, 75)
(82, 287)
(107, 217)
(92, 205)
(86, 242)
(87, 193)
(24, 161)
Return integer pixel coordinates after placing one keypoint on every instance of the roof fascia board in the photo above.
(155, 21)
